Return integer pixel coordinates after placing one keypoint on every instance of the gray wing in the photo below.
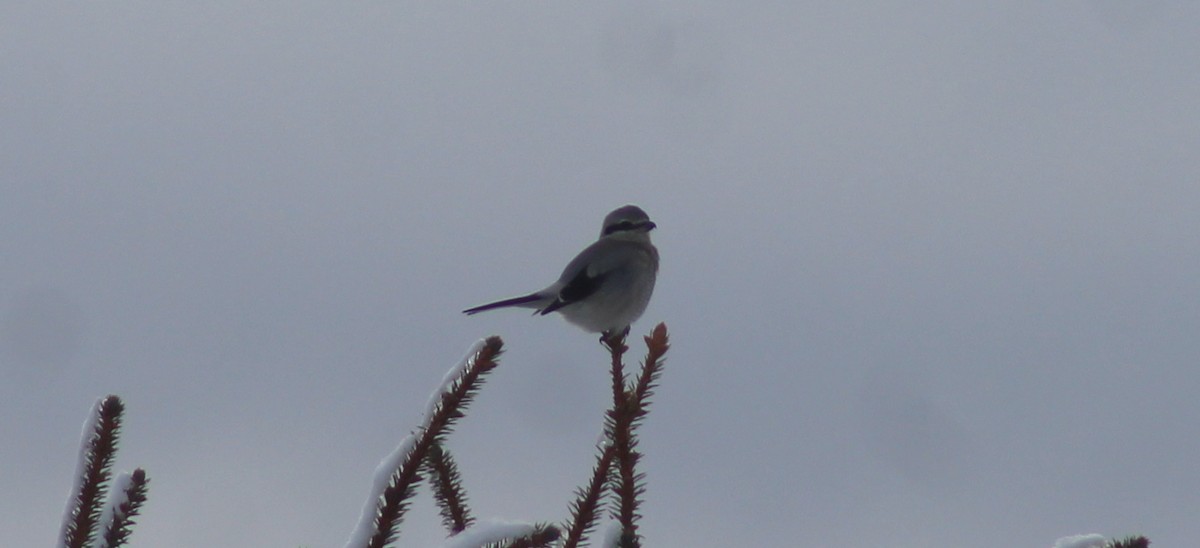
(599, 262)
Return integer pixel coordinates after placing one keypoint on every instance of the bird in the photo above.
(607, 286)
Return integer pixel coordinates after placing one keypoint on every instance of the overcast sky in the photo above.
(932, 274)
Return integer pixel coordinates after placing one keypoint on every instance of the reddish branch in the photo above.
(396, 497)
(448, 490)
(120, 526)
(100, 451)
(583, 508)
(629, 484)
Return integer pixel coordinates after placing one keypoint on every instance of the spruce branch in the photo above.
(393, 503)
(542, 536)
(629, 407)
(657, 345)
(119, 527)
(1129, 542)
(583, 508)
(615, 343)
(96, 461)
(448, 490)
(626, 482)
(622, 421)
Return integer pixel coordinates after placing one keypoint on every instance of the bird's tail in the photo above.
(531, 300)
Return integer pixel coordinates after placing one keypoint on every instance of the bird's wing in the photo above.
(588, 271)
(582, 286)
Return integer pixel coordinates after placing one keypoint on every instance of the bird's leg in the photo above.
(608, 338)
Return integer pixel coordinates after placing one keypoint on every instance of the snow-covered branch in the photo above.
(89, 521)
(397, 476)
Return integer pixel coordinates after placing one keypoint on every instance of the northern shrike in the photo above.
(608, 285)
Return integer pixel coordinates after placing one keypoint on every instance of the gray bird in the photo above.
(608, 285)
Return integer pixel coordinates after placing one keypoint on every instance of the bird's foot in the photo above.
(611, 337)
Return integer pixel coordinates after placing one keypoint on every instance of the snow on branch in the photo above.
(91, 522)
(88, 520)
(97, 450)
(542, 536)
(505, 534)
(1099, 541)
(397, 476)
(1129, 542)
(125, 501)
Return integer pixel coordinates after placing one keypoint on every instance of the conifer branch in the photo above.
(615, 343)
(657, 345)
(583, 508)
(119, 527)
(96, 461)
(542, 536)
(1129, 542)
(622, 421)
(395, 499)
(448, 490)
(625, 479)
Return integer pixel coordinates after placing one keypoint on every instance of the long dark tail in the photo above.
(516, 301)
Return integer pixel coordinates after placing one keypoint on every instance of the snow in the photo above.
(1081, 541)
(610, 533)
(116, 497)
(379, 482)
(89, 427)
(383, 472)
(452, 375)
(492, 530)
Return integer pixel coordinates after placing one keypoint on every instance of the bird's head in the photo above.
(627, 222)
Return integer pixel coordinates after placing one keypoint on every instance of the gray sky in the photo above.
(930, 273)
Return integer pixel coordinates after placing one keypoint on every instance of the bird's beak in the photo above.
(649, 225)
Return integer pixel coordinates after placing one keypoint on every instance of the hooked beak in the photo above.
(648, 226)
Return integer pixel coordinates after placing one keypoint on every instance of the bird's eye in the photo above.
(619, 227)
